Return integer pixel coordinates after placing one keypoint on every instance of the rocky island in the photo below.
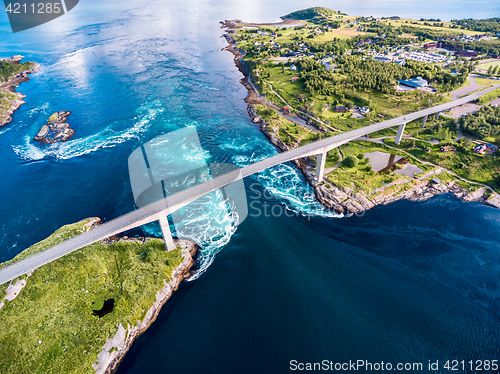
(12, 73)
(48, 319)
(321, 72)
(56, 129)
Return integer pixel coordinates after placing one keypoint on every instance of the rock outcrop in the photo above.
(56, 129)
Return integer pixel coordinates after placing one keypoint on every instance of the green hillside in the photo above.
(49, 326)
(310, 13)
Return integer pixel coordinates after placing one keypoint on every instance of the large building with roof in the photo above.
(417, 82)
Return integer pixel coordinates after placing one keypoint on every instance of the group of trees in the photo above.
(463, 66)
(372, 74)
(429, 33)
(354, 74)
(7, 70)
(484, 123)
(483, 25)
(492, 70)
(310, 13)
(489, 47)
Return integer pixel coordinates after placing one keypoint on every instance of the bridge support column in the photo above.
(167, 235)
(424, 121)
(437, 115)
(399, 135)
(320, 166)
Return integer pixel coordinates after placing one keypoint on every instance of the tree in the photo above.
(361, 155)
(148, 255)
(350, 161)
(490, 69)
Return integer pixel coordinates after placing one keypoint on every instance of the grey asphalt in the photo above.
(172, 203)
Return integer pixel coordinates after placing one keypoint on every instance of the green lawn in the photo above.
(489, 97)
(380, 104)
(464, 162)
(361, 175)
(49, 327)
(485, 81)
(488, 64)
(409, 22)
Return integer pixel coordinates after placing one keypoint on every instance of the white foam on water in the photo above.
(208, 87)
(211, 223)
(31, 151)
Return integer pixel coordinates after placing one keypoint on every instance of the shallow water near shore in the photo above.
(405, 282)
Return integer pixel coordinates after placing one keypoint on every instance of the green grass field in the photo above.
(388, 105)
(49, 327)
(485, 81)
(464, 162)
(363, 178)
(489, 97)
(420, 24)
(488, 64)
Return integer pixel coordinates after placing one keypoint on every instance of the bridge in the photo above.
(159, 210)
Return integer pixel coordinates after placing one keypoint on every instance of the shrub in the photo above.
(148, 255)
(361, 156)
(98, 303)
(350, 161)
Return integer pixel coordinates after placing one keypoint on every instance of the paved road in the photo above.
(467, 89)
(495, 102)
(172, 203)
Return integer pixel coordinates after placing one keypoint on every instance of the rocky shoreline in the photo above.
(56, 129)
(343, 200)
(17, 101)
(115, 348)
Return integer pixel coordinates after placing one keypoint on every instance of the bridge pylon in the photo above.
(399, 135)
(424, 121)
(167, 234)
(320, 166)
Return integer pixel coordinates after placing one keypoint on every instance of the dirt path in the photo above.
(337, 164)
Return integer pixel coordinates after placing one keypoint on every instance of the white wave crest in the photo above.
(75, 147)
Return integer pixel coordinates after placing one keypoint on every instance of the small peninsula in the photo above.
(321, 72)
(12, 73)
(49, 320)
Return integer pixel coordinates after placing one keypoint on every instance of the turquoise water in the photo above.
(407, 282)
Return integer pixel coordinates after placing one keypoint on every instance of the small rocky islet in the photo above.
(56, 129)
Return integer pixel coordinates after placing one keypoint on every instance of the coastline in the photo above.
(338, 200)
(115, 349)
(17, 101)
(153, 284)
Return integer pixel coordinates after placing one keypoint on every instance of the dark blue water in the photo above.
(406, 282)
